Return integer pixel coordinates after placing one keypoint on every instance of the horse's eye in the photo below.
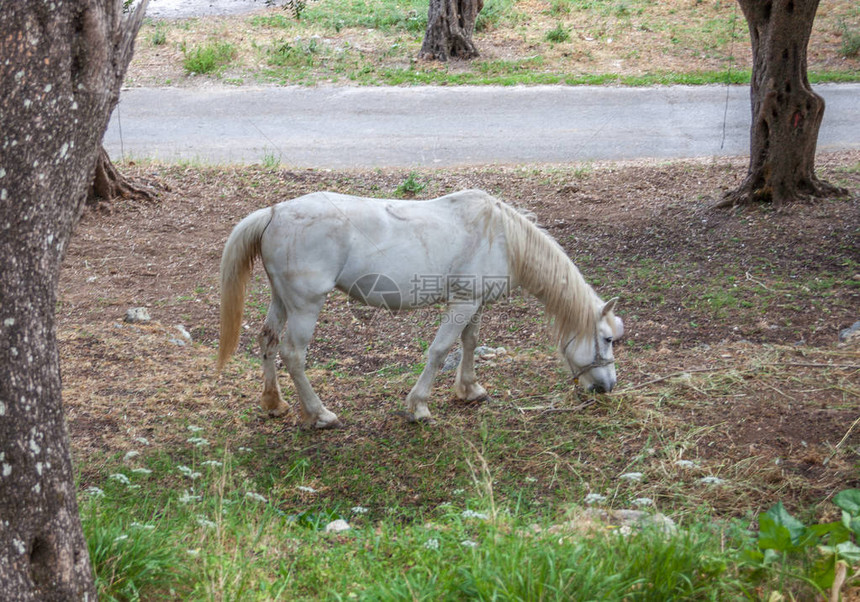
(608, 340)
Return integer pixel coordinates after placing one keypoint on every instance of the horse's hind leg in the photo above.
(465, 385)
(300, 329)
(269, 337)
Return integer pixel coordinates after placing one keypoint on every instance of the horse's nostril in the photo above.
(597, 388)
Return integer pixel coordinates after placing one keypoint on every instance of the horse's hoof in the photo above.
(279, 411)
(330, 424)
(410, 418)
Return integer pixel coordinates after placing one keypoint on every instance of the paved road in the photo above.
(341, 127)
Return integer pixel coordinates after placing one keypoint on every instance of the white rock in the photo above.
(136, 315)
(336, 526)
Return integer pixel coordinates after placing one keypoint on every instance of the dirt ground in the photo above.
(732, 317)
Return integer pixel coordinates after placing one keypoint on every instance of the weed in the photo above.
(410, 186)
(558, 34)
(159, 36)
(208, 58)
(850, 40)
(271, 160)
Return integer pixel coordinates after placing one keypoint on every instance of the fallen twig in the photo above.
(838, 445)
(673, 375)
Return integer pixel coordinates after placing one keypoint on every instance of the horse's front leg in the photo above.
(456, 317)
(300, 329)
(465, 385)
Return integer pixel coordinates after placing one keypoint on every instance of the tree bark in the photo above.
(450, 25)
(63, 63)
(786, 112)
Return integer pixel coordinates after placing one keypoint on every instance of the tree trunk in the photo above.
(786, 113)
(108, 184)
(63, 63)
(450, 25)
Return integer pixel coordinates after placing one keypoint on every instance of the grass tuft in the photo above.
(209, 57)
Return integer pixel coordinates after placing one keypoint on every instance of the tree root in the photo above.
(108, 184)
(752, 192)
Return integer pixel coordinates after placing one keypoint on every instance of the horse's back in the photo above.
(343, 239)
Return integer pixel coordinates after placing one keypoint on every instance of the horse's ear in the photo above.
(619, 328)
(609, 306)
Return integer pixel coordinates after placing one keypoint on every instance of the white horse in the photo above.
(465, 249)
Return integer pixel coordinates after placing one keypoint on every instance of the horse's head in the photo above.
(591, 359)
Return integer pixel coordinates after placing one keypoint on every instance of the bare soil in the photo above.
(731, 358)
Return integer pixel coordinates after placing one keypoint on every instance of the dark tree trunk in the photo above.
(109, 184)
(63, 63)
(450, 25)
(786, 113)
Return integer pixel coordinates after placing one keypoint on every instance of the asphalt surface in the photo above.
(349, 127)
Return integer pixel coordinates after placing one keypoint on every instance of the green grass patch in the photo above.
(210, 519)
(209, 57)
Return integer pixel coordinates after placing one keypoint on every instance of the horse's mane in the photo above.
(540, 265)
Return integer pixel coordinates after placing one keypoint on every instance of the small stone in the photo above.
(183, 333)
(137, 315)
(337, 526)
(484, 351)
(452, 361)
(851, 333)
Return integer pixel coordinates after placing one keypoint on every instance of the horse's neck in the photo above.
(541, 266)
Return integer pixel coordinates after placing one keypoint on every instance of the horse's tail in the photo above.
(237, 262)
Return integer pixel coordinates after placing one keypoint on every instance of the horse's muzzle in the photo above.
(602, 387)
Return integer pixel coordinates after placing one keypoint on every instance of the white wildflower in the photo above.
(643, 501)
(712, 480)
(255, 496)
(685, 463)
(188, 497)
(358, 510)
(142, 440)
(530, 480)
(193, 553)
(205, 522)
(432, 544)
(245, 449)
(95, 492)
(468, 543)
(198, 441)
(459, 491)
(631, 476)
(594, 498)
(120, 478)
(188, 472)
(473, 514)
(136, 525)
(213, 463)
(129, 455)
(306, 489)
(121, 538)
(194, 429)
(141, 471)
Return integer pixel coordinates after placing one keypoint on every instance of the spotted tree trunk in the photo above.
(63, 63)
(786, 112)
(450, 25)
